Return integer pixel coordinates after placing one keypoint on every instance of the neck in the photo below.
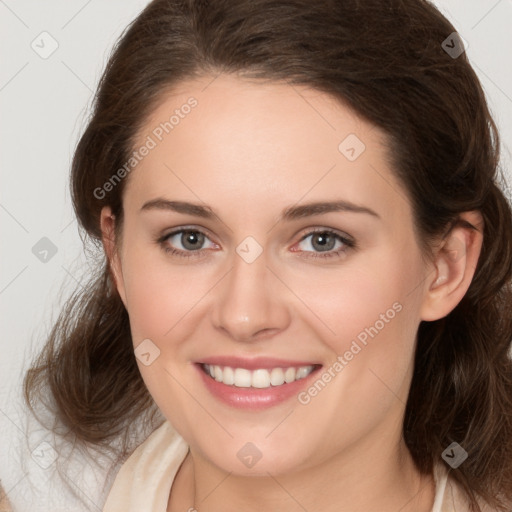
(346, 482)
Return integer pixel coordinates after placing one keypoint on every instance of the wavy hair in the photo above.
(387, 61)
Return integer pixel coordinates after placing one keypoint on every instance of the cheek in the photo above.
(370, 315)
(367, 294)
(159, 298)
(159, 293)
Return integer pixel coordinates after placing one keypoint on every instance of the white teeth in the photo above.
(242, 377)
(228, 376)
(289, 375)
(302, 372)
(261, 378)
(276, 377)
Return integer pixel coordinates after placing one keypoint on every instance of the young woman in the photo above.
(305, 293)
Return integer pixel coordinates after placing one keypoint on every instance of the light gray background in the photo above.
(44, 106)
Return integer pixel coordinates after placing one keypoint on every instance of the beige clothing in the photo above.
(144, 481)
(5, 506)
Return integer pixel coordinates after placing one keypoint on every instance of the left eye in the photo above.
(324, 241)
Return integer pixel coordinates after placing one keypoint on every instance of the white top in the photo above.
(144, 481)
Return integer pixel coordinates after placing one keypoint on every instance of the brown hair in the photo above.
(387, 62)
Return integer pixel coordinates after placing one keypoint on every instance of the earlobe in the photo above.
(107, 224)
(454, 267)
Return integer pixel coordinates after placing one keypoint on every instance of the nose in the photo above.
(250, 302)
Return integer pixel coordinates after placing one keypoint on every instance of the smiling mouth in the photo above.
(259, 378)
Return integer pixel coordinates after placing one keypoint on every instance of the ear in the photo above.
(454, 267)
(107, 224)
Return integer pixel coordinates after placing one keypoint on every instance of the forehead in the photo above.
(227, 137)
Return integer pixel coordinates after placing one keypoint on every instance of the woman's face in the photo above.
(262, 281)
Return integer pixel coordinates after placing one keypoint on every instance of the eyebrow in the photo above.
(291, 213)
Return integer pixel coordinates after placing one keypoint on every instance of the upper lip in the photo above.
(255, 363)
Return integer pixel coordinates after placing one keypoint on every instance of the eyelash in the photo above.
(348, 244)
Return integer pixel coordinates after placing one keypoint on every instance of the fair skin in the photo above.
(250, 150)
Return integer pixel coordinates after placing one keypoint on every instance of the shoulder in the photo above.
(455, 498)
(163, 444)
(153, 465)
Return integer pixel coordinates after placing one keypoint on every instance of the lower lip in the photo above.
(254, 398)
